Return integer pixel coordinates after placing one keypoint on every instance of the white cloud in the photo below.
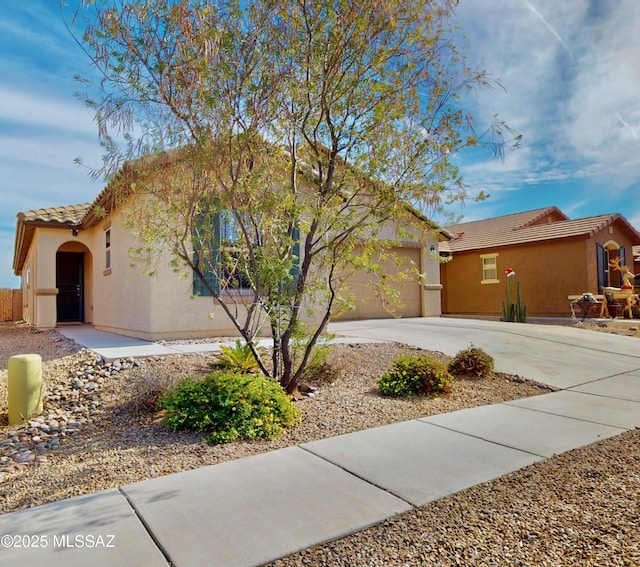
(572, 90)
(48, 151)
(633, 215)
(34, 110)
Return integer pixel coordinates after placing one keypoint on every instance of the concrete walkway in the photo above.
(111, 346)
(254, 510)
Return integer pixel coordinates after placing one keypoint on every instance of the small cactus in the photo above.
(508, 308)
(520, 308)
(513, 311)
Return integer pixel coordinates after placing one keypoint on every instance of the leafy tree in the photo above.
(308, 126)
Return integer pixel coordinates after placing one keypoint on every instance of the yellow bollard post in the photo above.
(24, 387)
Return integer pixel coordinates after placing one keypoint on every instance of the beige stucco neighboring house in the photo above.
(75, 267)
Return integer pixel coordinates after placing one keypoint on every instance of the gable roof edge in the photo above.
(544, 213)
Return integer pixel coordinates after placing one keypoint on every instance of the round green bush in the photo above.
(415, 376)
(472, 361)
(227, 406)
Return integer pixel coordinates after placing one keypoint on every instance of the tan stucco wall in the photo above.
(122, 292)
(160, 306)
(548, 273)
(28, 309)
(189, 316)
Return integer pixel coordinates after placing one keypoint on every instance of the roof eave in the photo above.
(584, 235)
(627, 225)
(24, 236)
(18, 258)
(443, 233)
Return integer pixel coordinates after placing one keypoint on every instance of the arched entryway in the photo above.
(607, 253)
(73, 282)
(612, 252)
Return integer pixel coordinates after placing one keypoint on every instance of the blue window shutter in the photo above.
(623, 256)
(295, 269)
(602, 268)
(208, 260)
(290, 285)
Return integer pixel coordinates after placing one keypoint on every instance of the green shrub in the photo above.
(472, 361)
(227, 406)
(415, 375)
(238, 358)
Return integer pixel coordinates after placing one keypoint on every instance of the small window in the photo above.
(107, 245)
(489, 268)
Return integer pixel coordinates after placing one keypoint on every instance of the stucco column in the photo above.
(45, 316)
(431, 297)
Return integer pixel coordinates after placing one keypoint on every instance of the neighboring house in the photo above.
(75, 267)
(553, 257)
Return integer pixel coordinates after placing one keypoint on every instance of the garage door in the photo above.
(368, 306)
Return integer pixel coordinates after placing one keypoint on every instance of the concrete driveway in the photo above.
(560, 356)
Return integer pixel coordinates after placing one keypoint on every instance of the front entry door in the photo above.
(69, 281)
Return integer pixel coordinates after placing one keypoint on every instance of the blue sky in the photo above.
(570, 72)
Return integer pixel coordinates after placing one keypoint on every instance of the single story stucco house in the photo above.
(553, 257)
(75, 268)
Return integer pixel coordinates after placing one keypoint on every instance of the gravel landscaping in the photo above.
(626, 327)
(580, 508)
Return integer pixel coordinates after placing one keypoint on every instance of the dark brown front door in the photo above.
(69, 281)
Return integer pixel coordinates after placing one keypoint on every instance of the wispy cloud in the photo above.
(627, 126)
(574, 99)
(45, 111)
(549, 27)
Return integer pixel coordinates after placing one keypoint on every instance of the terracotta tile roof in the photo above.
(520, 228)
(54, 217)
(69, 215)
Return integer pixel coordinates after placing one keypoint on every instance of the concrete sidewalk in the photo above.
(254, 510)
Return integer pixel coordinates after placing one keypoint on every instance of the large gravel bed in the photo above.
(580, 508)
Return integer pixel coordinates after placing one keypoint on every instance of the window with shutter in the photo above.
(219, 256)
